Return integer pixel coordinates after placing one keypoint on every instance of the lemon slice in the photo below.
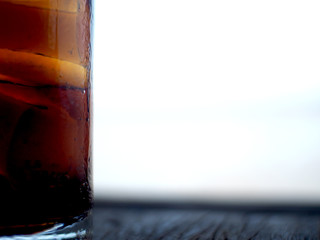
(33, 69)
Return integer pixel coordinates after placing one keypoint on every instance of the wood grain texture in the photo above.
(139, 223)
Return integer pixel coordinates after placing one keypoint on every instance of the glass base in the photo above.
(80, 230)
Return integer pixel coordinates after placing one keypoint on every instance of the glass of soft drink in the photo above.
(45, 119)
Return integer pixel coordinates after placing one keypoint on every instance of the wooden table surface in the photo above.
(123, 221)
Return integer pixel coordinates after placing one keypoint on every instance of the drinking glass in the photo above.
(45, 119)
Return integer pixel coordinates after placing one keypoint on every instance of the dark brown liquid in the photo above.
(44, 113)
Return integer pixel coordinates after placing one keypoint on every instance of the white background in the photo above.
(207, 100)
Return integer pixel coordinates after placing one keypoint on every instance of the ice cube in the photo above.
(48, 141)
(48, 32)
(10, 112)
(61, 5)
